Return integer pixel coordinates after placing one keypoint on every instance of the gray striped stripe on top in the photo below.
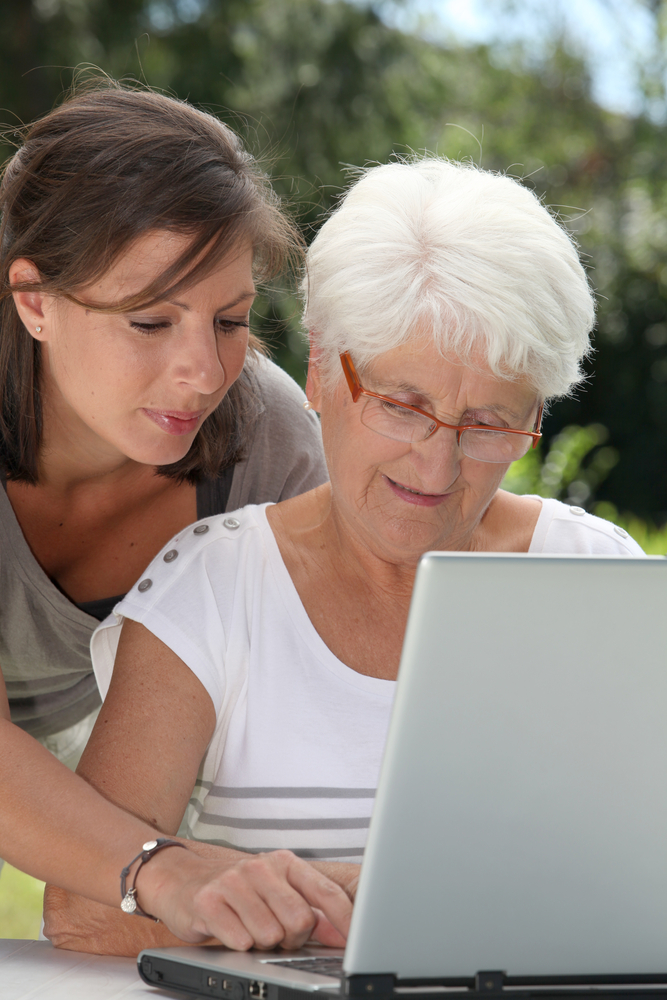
(222, 792)
(202, 817)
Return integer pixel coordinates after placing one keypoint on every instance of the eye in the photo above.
(149, 328)
(396, 410)
(482, 418)
(231, 326)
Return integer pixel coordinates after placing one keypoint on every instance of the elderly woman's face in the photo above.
(402, 499)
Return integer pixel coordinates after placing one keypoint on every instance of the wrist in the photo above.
(150, 849)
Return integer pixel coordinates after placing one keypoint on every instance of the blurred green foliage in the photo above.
(21, 899)
(572, 470)
(575, 465)
(317, 84)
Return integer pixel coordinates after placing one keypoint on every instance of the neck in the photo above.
(63, 468)
(316, 523)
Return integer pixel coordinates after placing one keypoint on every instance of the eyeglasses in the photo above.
(403, 422)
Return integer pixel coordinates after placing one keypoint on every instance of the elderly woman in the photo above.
(255, 661)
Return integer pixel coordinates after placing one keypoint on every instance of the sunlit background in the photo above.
(567, 95)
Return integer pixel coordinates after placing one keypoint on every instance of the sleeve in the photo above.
(572, 530)
(285, 455)
(188, 601)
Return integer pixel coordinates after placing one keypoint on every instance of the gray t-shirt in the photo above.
(44, 637)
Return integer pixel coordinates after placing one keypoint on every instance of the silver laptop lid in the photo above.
(521, 817)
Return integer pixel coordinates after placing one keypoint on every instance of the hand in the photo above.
(255, 901)
(235, 899)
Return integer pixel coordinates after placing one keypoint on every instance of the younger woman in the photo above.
(133, 230)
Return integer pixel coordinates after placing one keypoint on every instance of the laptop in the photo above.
(518, 844)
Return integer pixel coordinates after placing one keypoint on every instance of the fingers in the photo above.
(325, 933)
(273, 900)
(270, 909)
(215, 918)
(321, 893)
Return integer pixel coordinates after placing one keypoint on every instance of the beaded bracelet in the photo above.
(129, 902)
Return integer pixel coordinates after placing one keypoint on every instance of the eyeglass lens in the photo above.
(400, 424)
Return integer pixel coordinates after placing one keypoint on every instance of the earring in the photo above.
(307, 405)
(38, 329)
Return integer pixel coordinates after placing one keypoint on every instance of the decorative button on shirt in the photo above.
(577, 510)
(170, 555)
(231, 523)
(145, 585)
(201, 529)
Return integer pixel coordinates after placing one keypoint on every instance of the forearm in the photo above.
(57, 828)
(77, 924)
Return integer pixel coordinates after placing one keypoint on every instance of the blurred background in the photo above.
(566, 95)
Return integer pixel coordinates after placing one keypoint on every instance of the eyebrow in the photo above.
(492, 407)
(229, 305)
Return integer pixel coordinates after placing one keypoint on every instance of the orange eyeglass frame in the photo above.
(357, 390)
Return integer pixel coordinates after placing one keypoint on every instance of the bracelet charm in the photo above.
(129, 902)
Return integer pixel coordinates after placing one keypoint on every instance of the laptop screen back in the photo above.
(521, 818)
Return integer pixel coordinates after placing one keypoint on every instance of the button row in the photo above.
(617, 528)
(229, 522)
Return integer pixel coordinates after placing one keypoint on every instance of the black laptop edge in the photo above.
(198, 980)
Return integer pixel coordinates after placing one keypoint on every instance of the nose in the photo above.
(437, 460)
(197, 361)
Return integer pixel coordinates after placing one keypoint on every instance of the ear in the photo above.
(29, 304)
(313, 381)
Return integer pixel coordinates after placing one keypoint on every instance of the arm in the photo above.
(56, 827)
(144, 755)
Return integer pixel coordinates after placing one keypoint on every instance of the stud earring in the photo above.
(38, 329)
(307, 405)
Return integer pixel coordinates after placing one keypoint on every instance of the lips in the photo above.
(176, 421)
(415, 497)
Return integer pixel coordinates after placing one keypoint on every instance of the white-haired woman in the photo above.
(257, 657)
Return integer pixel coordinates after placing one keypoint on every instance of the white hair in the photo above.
(444, 249)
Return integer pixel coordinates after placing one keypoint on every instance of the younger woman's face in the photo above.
(140, 384)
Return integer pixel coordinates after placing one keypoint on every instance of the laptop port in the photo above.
(257, 990)
(211, 981)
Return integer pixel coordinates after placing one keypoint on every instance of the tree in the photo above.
(314, 85)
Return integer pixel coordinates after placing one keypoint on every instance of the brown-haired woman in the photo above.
(133, 230)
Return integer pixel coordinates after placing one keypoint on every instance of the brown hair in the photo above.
(104, 168)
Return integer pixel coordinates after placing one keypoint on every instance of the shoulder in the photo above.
(191, 594)
(284, 449)
(277, 391)
(571, 529)
(214, 549)
(509, 522)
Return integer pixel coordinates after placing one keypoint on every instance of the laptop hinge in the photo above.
(374, 987)
(370, 986)
(490, 982)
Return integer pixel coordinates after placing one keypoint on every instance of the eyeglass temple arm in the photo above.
(351, 377)
(538, 425)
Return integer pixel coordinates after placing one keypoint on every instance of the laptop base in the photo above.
(203, 981)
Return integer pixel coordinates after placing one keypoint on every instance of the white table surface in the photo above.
(35, 970)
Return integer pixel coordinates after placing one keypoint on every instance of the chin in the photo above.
(158, 456)
(418, 532)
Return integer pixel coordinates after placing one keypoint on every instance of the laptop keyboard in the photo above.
(321, 965)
